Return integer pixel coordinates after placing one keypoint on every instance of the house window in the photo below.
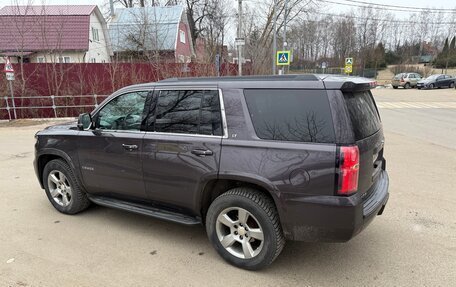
(182, 36)
(65, 59)
(95, 34)
(40, 60)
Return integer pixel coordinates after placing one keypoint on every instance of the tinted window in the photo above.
(363, 114)
(189, 112)
(291, 115)
(123, 112)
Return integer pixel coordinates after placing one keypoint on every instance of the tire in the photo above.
(431, 86)
(261, 216)
(407, 86)
(451, 85)
(63, 189)
(394, 87)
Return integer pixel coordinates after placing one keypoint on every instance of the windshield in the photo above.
(433, 77)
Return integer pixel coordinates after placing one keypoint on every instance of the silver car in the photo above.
(406, 80)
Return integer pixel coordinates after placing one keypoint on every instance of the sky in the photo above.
(413, 3)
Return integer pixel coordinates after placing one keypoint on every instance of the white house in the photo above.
(54, 33)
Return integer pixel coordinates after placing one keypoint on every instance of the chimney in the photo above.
(111, 8)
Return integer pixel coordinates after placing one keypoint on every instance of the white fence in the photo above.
(14, 105)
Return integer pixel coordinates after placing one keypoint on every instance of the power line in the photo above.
(386, 8)
(401, 7)
(385, 20)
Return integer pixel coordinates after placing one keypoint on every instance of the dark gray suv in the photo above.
(257, 160)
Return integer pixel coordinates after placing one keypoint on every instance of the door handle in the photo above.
(201, 152)
(130, 147)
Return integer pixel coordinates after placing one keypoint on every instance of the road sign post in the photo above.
(348, 66)
(10, 77)
(323, 66)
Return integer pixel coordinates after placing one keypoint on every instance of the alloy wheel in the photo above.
(59, 188)
(239, 232)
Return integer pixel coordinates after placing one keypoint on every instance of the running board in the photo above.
(145, 210)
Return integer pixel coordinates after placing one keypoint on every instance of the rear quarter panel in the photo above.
(288, 170)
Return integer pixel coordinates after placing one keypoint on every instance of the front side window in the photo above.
(188, 112)
(290, 115)
(123, 112)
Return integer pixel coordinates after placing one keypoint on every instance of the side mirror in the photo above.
(84, 121)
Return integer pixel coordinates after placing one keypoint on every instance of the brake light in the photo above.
(348, 170)
(402, 79)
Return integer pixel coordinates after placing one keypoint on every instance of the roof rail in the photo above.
(304, 77)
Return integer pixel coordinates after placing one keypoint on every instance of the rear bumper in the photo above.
(333, 218)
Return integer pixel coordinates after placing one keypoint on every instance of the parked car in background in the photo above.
(406, 80)
(437, 81)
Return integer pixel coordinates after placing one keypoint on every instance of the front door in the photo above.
(182, 147)
(110, 154)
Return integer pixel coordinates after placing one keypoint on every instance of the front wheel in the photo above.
(244, 227)
(451, 85)
(63, 189)
(431, 86)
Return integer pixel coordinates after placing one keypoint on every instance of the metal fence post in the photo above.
(96, 101)
(53, 105)
(8, 108)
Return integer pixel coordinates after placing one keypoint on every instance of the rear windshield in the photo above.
(291, 115)
(399, 76)
(363, 114)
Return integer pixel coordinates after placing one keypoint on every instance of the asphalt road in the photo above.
(412, 244)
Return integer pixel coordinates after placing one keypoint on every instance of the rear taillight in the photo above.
(348, 170)
(402, 80)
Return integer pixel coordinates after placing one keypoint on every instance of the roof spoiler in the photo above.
(358, 87)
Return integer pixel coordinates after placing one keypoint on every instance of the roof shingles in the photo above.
(53, 28)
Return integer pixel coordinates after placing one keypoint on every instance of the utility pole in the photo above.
(240, 44)
(274, 44)
(285, 44)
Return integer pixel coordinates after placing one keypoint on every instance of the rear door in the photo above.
(182, 146)
(369, 137)
(440, 82)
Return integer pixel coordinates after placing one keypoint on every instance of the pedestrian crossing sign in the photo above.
(283, 58)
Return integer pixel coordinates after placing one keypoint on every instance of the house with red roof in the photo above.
(54, 34)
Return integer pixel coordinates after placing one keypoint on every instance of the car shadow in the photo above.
(297, 257)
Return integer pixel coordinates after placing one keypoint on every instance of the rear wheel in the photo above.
(451, 85)
(244, 228)
(394, 87)
(407, 86)
(63, 189)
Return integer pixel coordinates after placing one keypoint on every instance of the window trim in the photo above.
(222, 112)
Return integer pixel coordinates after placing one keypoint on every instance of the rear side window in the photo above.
(363, 114)
(291, 115)
(188, 112)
